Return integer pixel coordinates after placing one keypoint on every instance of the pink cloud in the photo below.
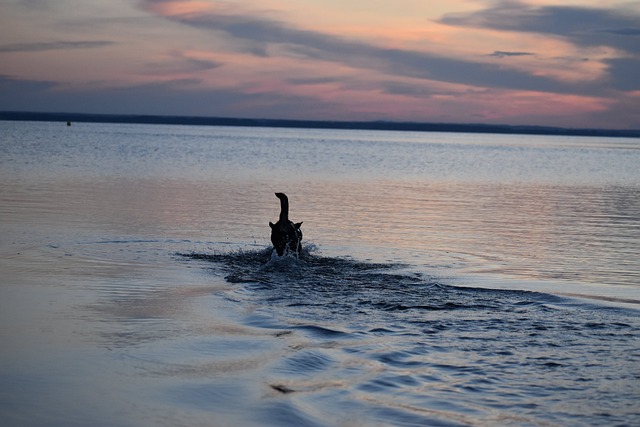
(177, 7)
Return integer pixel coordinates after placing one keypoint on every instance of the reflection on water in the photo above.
(575, 235)
(103, 323)
(530, 207)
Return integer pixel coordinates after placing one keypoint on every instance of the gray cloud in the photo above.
(583, 26)
(161, 98)
(623, 31)
(313, 80)
(8, 83)
(624, 72)
(624, 113)
(261, 33)
(194, 64)
(22, 95)
(503, 54)
(408, 89)
(58, 45)
(45, 5)
(182, 65)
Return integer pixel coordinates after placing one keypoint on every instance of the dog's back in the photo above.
(286, 236)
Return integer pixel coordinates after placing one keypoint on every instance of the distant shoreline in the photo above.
(316, 124)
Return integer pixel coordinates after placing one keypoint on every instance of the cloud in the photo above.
(45, 5)
(271, 37)
(58, 45)
(502, 54)
(624, 73)
(634, 32)
(227, 59)
(181, 64)
(409, 89)
(583, 26)
(313, 80)
(22, 95)
(391, 100)
(10, 85)
(174, 97)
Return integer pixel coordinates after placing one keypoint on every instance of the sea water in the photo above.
(447, 279)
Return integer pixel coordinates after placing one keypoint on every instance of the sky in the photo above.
(569, 63)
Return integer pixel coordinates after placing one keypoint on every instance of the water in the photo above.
(447, 279)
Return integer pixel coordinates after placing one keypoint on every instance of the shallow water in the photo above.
(400, 348)
(438, 285)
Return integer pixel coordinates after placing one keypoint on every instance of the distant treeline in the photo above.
(315, 124)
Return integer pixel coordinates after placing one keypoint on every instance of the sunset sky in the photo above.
(538, 62)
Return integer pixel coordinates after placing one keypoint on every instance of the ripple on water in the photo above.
(406, 349)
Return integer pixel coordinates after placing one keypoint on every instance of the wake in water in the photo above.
(403, 348)
(314, 279)
(309, 269)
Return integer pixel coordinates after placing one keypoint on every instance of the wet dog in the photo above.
(285, 235)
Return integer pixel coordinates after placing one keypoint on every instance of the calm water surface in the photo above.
(448, 279)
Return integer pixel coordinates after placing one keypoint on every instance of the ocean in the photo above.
(447, 279)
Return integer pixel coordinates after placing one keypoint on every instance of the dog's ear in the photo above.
(271, 224)
(297, 225)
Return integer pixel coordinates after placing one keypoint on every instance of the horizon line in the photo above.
(388, 125)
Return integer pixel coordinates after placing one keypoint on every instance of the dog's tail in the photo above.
(284, 206)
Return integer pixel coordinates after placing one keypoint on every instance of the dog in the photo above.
(285, 235)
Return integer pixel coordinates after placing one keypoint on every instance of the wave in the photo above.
(314, 280)
(368, 297)
(405, 346)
